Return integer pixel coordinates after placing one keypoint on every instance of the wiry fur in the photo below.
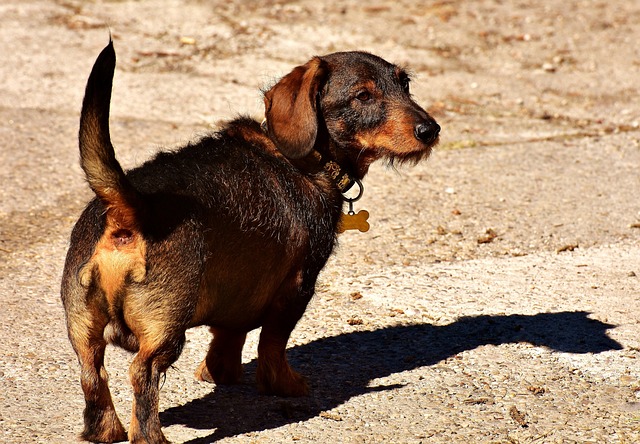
(230, 231)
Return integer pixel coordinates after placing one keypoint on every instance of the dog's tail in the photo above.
(97, 157)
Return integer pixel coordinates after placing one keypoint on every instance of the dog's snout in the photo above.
(427, 131)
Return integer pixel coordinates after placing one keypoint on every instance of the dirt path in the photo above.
(496, 297)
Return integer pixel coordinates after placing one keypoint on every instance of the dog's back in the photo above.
(231, 198)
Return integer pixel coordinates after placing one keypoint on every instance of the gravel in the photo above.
(495, 298)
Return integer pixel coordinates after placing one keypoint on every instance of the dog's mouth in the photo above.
(398, 147)
(411, 157)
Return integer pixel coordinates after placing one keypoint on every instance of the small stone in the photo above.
(549, 67)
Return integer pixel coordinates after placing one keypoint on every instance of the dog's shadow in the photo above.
(342, 367)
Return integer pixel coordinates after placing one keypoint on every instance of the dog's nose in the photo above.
(427, 132)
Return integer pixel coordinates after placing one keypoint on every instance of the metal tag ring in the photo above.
(360, 192)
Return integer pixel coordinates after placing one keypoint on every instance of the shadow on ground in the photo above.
(341, 367)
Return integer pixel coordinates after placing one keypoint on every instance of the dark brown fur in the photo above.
(230, 231)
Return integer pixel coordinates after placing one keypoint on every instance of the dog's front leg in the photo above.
(223, 364)
(274, 374)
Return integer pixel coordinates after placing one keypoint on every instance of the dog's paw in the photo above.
(103, 427)
(219, 374)
(157, 439)
(202, 373)
(287, 383)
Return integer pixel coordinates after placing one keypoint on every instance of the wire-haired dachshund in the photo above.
(230, 231)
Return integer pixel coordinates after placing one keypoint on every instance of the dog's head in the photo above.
(354, 102)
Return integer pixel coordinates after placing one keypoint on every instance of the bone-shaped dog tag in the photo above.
(353, 221)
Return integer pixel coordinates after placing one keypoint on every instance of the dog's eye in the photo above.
(363, 96)
(405, 85)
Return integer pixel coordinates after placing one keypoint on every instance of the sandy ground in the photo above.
(497, 296)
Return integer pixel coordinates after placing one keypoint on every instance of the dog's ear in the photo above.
(291, 109)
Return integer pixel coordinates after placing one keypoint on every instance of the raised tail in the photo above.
(97, 157)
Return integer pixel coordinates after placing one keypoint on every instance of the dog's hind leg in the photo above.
(101, 423)
(223, 364)
(157, 353)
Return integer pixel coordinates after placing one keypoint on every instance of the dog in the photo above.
(229, 231)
